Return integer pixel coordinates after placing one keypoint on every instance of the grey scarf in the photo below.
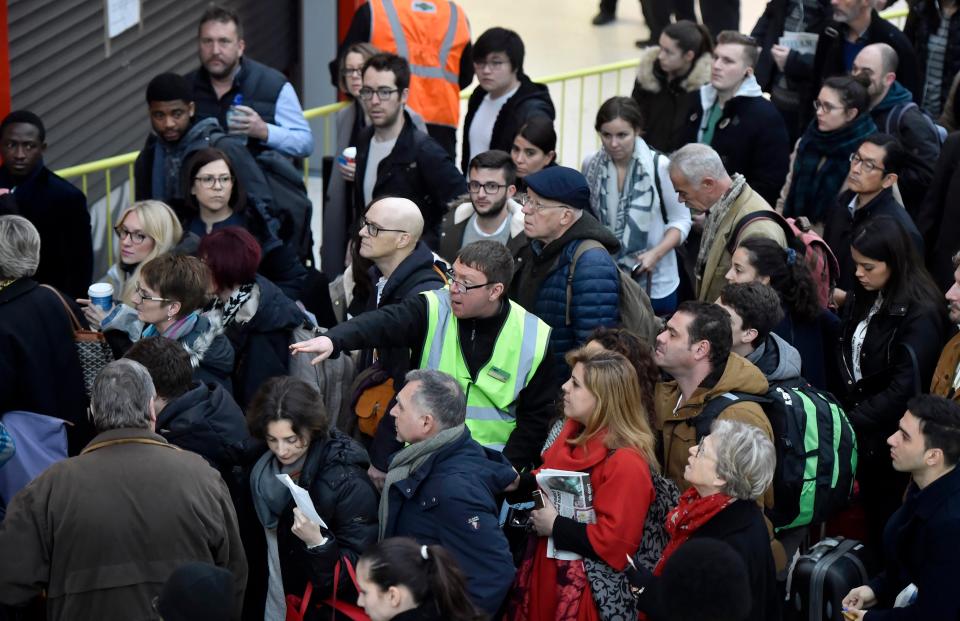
(270, 496)
(712, 224)
(408, 460)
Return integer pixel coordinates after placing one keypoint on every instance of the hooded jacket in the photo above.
(664, 102)
(917, 135)
(677, 428)
(531, 99)
(211, 353)
(540, 283)
(777, 359)
(456, 222)
(750, 136)
(206, 420)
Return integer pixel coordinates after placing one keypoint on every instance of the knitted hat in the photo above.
(197, 592)
(169, 87)
(561, 184)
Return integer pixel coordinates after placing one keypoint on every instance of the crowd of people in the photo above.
(218, 428)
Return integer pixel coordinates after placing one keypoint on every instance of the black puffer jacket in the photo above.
(897, 361)
(261, 343)
(207, 421)
(531, 99)
(924, 20)
(663, 102)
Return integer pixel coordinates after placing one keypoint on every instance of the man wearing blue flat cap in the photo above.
(557, 220)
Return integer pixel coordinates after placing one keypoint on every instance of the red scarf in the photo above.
(580, 458)
(692, 512)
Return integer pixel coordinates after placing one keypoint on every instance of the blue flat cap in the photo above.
(561, 184)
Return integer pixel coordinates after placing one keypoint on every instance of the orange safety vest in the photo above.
(431, 35)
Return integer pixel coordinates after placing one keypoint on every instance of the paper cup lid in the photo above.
(100, 289)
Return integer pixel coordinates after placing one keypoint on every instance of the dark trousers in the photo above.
(717, 14)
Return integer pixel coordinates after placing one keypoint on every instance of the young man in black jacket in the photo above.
(396, 159)
(505, 97)
(921, 538)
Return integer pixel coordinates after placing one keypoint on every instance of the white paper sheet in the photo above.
(303, 500)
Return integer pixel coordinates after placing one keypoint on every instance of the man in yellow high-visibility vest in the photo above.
(496, 350)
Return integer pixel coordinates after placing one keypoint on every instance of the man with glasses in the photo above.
(874, 169)
(505, 97)
(491, 213)
(496, 350)
(396, 159)
(571, 288)
(56, 208)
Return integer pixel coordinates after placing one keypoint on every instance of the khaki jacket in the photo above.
(942, 384)
(718, 260)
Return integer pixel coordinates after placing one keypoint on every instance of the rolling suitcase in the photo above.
(821, 579)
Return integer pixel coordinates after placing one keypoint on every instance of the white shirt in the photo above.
(481, 127)
(377, 153)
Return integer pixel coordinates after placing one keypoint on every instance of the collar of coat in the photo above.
(652, 78)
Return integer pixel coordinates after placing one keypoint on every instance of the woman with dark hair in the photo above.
(821, 158)
(290, 417)
(894, 325)
(256, 316)
(401, 580)
(534, 148)
(668, 82)
(805, 325)
(214, 198)
(169, 298)
(631, 194)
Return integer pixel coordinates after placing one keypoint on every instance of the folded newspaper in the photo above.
(572, 497)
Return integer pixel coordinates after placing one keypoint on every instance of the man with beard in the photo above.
(396, 159)
(946, 378)
(491, 213)
(261, 102)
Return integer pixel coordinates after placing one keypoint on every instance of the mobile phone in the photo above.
(849, 615)
(538, 499)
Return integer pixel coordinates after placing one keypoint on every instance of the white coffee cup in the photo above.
(101, 294)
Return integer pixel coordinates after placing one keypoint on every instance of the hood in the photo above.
(740, 375)
(749, 88)
(204, 412)
(421, 259)
(465, 210)
(532, 90)
(275, 311)
(897, 94)
(340, 449)
(651, 77)
(203, 345)
(648, 71)
(777, 359)
(200, 131)
(587, 227)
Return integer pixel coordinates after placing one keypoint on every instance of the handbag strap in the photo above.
(74, 323)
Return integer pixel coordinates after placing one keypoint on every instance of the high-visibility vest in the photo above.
(431, 35)
(492, 397)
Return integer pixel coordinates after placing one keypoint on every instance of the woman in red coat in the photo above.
(606, 434)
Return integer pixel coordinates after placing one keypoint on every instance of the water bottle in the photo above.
(233, 113)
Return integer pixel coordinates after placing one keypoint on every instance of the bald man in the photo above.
(895, 113)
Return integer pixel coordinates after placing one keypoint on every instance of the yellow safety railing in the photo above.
(570, 140)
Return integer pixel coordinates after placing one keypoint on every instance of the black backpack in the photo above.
(290, 202)
(816, 450)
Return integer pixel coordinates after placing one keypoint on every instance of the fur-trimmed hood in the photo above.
(207, 345)
(651, 78)
(465, 210)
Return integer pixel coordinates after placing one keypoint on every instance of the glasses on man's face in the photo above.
(459, 285)
(536, 205)
(146, 297)
(826, 106)
(490, 187)
(348, 72)
(383, 93)
(865, 165)
(374, 229)
(209, 181)
(491, 64)
(137, 237)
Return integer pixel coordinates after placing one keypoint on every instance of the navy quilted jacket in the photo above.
(540, 284)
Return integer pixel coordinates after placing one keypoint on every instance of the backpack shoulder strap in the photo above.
(714, 407)
(656, 182)
(895, 116)
(582, 247)
(763, 214)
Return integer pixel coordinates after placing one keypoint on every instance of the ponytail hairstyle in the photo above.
(789, 274)
(429, 572)
(690, 37)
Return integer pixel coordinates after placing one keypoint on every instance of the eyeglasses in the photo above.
(375, 230)
(351, 71)
(148, 298)
(700, 450)
(867, 165)
(209, 181)
(826, 106)
(461, 286)
(492, 64)
(490, 187)
(137, 237)
(383, 93)
(536, 205)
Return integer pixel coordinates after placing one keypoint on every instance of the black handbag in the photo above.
(92, 347)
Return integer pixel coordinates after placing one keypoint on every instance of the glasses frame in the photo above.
(137, 289)
(347, 72)
(484, 187)
(865, 166)
(492, 64)
(374, 230)
(461, 286)
(536, 205)
(123, 232)
(213, 179)
(366, 93)
(827, 107)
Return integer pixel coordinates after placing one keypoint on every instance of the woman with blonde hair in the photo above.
(145, 230)
(606, 434)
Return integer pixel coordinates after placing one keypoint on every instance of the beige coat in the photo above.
(718, 259)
